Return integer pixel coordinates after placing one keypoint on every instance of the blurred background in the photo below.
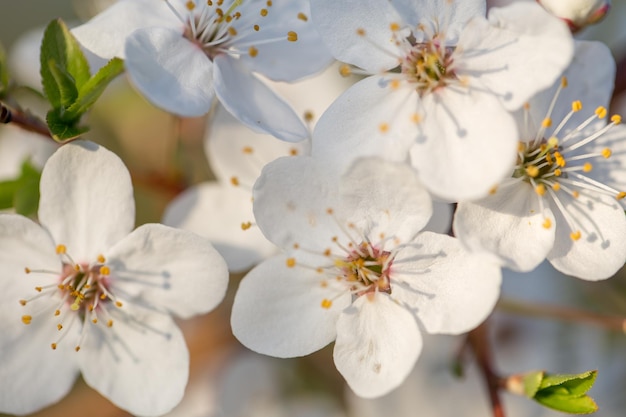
(165, 155)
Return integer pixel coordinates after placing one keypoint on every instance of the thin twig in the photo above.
(25, 120)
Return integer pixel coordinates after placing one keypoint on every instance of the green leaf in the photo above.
(64, 84)
(4, 71)
(7, 193)
(60, 47)
(572, 384)
(567, 403)
(22, 192)
(91, 91)
(532, 382)
(61, 130)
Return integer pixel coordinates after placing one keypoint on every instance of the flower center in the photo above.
(366, 269)
(428, 65)
(82, 291)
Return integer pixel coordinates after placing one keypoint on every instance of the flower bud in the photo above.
(577, 13)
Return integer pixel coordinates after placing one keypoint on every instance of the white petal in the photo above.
(448, 17)
(283, 60)
(441, 220)
(170, 71)
(105, 34)
(169, 269)
(381, 197)
(338, 22)
(506, 53)
(86, 199)
(255, 104)
(217, 212)
(450, 290)
(378, 343)
(291, 199)
(510, 224)
(141, 363)
(34, 376)
(277, 310)
(467, 145)
(370, 119)
(601, 250)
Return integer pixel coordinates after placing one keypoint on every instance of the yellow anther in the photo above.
(601, 112)
(27, 319)
(326, 303)
(575, 194)
(292, 36)
(563, 82)
(57, 312)
(105, 270)
(394, 26)
(383, 127)
(621, 195)
(77, 348)
(606, 152)
(556, 186)
(296, 246)
(61, 249)
(616, 119)
(394, 84)
(27, 270)
(101, 259)
(246, 225)
(263, 12)
(232, 31)
(547, 223)
(577, 106)
(330, 211)
(94, 320)
(118, 304)
(190, 5)
(540, 189)
(291, 262)
(253, 52)
(587, 167)
(493, 190)
(416, 118)
(557, 172)
(360, 32)
(59, 326)
(308, 117)
(560, 161)
(303, 17)
(327, 252)
(53, 346)
(247, 150)
(256, 28)
(110, 323)
(575, 235)
(547, 122)
(23, 302)
(38, 289)
(526, 106)
(320, 271)
(521, 146)
(532, 171)
(76, 304)
(553, 142)
(345, 70)
(77, 268)
(234, 181)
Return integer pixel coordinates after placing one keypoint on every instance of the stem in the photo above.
(25, 120)
(610, 322)
(478, 340)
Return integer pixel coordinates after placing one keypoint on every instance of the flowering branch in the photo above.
(615, 323)
(25, 120)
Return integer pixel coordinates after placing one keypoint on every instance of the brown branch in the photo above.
(478, 340)
(615, 323)
(24, 120)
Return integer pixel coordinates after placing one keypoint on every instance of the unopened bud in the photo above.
(577, 13)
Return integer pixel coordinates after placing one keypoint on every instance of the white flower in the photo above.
(578, 13)
(81, 294)
(561, 202)
(445, 80)
(180, 55)
(356, 271)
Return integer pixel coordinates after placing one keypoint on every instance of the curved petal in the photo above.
(141, 363)
(384, 198)
(105, 34)
(169, 269)
(277, 310)
(510, 224)
(338, 23)
(255, 104)
(378, 343)
(601, 249)
(34, 375)
(291, 201)
(505, 52)
(170, 71)
(86, 199)
(450, 290)
(284, 60)
(447, 17)
(218, 212)
(467, 146)
(372, 118)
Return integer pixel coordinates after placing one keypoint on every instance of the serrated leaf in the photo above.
(60, 46)
(61, 130)
(567, 403)
(64, 84)
(91, 91)
(4, 71)
(532, 382)
(573, 384)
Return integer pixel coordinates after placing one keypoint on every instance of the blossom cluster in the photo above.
(343, 223)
